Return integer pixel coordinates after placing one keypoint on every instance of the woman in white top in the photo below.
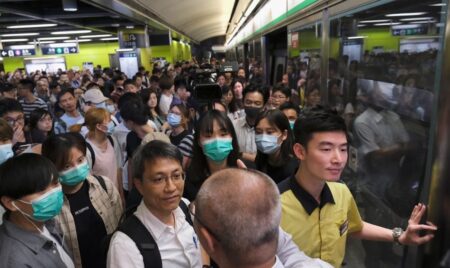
(104, 155)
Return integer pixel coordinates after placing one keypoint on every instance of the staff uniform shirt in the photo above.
(245, 135)
(320, 230)
(107, 204)
(178, 245)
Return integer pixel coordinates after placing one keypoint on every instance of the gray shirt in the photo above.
(21, 248)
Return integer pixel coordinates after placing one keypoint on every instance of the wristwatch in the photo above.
(396, 233)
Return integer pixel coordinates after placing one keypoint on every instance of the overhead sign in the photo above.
(59, 50)
(127, 55)
(419, 30)
(17, 52)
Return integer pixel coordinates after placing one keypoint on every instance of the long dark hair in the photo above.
(199, 170)
(277, 119)
(37, 115)
(236, 104)
(145, 96)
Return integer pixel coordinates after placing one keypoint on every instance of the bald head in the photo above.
(242, 208)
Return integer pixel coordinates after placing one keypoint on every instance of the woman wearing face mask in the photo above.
(178, 120)
(32, 196)
(104, 156)
(215, 148)
(274, 141)
(6, 136)
(92, 205)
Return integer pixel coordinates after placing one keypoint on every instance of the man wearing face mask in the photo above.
(254, 101)
(32, 196)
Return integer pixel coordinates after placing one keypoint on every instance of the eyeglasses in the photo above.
(12, 121)
(278, 97)
(198, 221)
(160, 180)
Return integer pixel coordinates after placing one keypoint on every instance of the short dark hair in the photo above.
(64, 91)
(37, 115)
(255, 88)
(9, 105)
(117, 78)
(6, 87)
(150, 152)
(57, 148)
(126, 98)
(289, 106)
(165, 82)
(6, 131)
(317, 119)
(154, 78)
(284, 90)
(128, 82)
(27, 84)
(134, 111)
(26, 174)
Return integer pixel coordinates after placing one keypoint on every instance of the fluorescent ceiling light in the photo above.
(19, 34)
(54, 38)
(415, 19)
(250, 7)
(42, 42)
(77, 40)
(13, 40)
(387, 24)
(124, 49)
(422, 22)
(405, 26)
(440, 24)
(63, 45)
(406, 14)
(438, 5)
(96, 36)
(130, 27)
(70, 5)
(22, 47)
(42, 25)
(373, 21)
(72, 32)
(109, 39)
(362, 25)
(357, 37)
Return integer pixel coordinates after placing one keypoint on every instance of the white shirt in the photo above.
(245, 135)
(178, 245)
(164, 103)
(62, 253)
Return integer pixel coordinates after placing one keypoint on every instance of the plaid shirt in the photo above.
(107, 204)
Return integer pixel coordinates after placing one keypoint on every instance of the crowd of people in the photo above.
(101, 170)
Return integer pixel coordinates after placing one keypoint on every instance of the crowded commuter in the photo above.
(6, 136)
(150, 99)
(161, 222)
(28, 100)
(40, 126)
(32, 196)
(167, 88)
(237, 216)
(245, 132)
(8, 90)
(280, 95)
(11, 111)
(291, 111)
(92, 205)
(274, 141)
(312, 198)
(178, 120)
(71, 116)
(215, 147)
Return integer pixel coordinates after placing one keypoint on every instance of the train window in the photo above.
(302, 72)
(381, 80)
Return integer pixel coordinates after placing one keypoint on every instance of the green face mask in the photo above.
(74, 175)
(217, 149)
(46, 206)
(292, 123)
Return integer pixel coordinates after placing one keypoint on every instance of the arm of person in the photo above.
(291, 256)
(123, 253)
(410, 236)
(249, 157)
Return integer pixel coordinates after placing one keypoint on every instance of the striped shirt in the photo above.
(30, 107)
(186, 146)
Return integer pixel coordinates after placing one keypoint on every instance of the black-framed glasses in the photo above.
(198, 221)
(12, 121)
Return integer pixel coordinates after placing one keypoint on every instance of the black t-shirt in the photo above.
(133, 142)
(175, 140)
(89, 225)
(278, 174)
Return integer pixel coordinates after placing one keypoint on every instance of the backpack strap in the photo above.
(144, 241)
(186, 212)
(91, 150)
(111, 140)
(101, 180)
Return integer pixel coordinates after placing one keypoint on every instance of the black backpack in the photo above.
(144, 241)
(91, 150)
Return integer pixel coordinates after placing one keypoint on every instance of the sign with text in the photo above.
(59, 50)
(5, 53)
(419, 30)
